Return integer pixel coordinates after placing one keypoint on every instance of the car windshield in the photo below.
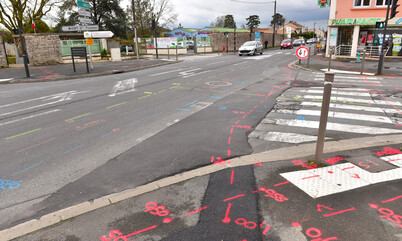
(298, 41)
(286, 41)
(249, 44)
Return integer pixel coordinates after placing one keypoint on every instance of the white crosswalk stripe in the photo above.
(352, 110)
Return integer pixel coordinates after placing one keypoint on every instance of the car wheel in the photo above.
(240, 55)
(254, 52)
(261, 52)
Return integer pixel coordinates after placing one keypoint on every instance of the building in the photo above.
(202, 33)
(352, 24)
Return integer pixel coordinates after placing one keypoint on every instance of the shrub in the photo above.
(104, 53)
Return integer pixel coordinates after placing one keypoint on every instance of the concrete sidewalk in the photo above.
(319, 63)
(90, 220)
(65, 71)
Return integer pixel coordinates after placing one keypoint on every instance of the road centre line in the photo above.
(166, 72)
(29, 117)
(71, 119)
(28, 148)
(241, 63)
(116, 105)
(11, 137)
(216, 62)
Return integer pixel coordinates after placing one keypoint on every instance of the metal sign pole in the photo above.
(24, 55)
(90, 57)
(326, 99)
(364, 59)
(308, 58)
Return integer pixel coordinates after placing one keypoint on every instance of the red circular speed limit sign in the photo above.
(302, 52)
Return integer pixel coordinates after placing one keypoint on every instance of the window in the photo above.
(382, 2)
(362, 3)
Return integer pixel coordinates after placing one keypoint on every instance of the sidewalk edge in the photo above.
(120, 71)
(297, 151)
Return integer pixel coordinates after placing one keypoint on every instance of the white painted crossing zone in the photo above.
(5, 80)
(338, 178)
(352, 110)
(346, 72)
(332, 114)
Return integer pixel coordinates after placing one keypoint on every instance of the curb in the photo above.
(294, 66)
(19, 81)
(299, 151)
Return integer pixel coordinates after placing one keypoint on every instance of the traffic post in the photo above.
(326, 99)
(302, 53)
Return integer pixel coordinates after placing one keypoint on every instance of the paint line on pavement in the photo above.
(28, 148)
(135, 122)
(26, 169)
(116, 105)
(11, 137)
(167, 72)
(29, 117)
(75, 148)
(77, 117)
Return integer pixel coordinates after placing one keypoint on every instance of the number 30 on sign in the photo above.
(302, 52)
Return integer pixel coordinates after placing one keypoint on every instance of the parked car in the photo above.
(298, 42)
(190, 44)
(287, 44)
(123, 48)
(251, 47)
(311, 41)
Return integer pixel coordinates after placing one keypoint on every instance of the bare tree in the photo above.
(14, 13)
(219, 22)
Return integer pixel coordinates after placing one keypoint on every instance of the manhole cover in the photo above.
(218, 83)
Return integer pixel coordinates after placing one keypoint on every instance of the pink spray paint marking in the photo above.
(197, 211)
(282, 183)
(141, 231)
(154, 209)
(230, 138)
(304, 178)
(388, 214)
(336, 213)
(258, 164)
(232, 177)
(226, 219)
(392, 199)
(167, 220)
(234, 197)
(319, 206)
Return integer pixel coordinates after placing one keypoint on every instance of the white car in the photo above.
(251, 47)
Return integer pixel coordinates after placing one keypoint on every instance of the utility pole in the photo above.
(135, 30)
(273, 36)
(24, 54)
(381, 61)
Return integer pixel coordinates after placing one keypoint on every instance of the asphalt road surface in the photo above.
(71, 141)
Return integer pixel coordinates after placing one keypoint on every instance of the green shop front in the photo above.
(349, 36)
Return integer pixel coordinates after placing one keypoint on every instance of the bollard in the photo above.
(177, 57)
(326, 99)
(168, 53)
(330, 58)
(364, 58)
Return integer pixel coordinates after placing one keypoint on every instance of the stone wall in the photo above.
(3, 56)
(218, 40)
(43, 49)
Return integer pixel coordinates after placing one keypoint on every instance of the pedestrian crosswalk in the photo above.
(354, 111)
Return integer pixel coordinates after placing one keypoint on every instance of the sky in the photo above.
(200, 13)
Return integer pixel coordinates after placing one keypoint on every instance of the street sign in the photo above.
(323, 3)
(84, 12)
(90, 41)
(80, 28)
(302, 52)
(83, 4)
(85, 20)
(98, 34)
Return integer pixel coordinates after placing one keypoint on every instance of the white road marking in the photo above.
(395, 160)
(264, 56)
(5, 80)
(203, 72)
(123, 86)
(343, 89)
(288, 137)
(241, 63)
(216, 63)
(353, 107)
(341, 115)
(337, 178)
(349, 77)
(29, 117)
(335, 98)
(335, 92)
(349, 81)
(333, 126)
(167, 72)
(345, 72)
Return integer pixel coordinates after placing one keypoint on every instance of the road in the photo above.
(68, 136)
(71, 141)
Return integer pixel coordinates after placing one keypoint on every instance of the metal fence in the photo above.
(371, 51)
